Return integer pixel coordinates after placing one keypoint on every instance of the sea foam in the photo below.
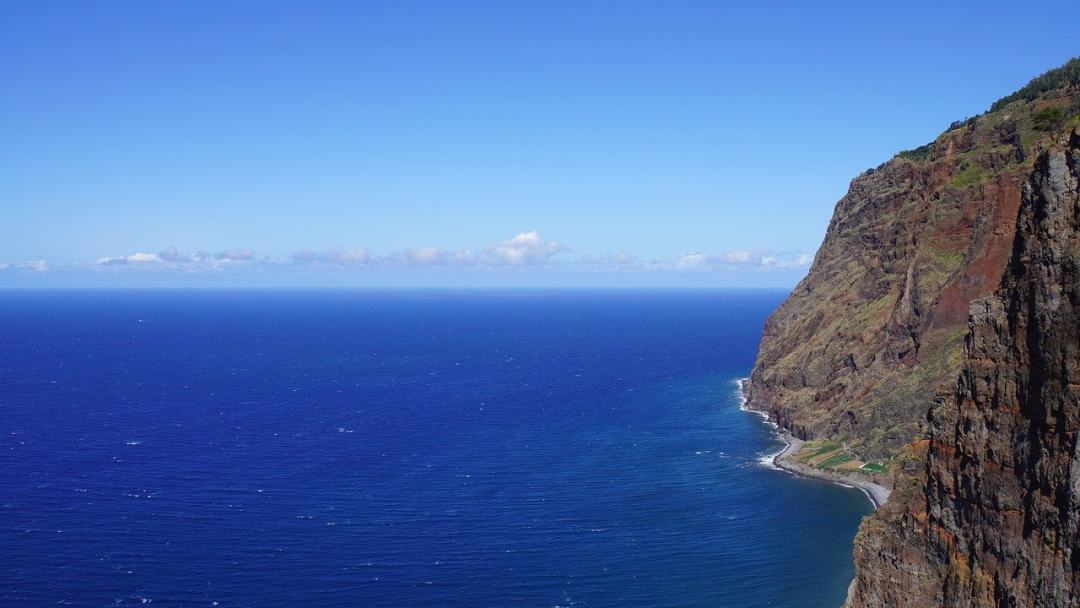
(767, 459)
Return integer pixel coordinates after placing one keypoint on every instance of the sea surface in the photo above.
(400, 448)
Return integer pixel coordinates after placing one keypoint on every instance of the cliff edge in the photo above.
(993, 517)
(938, 331)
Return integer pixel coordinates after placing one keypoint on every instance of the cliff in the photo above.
(939, 330)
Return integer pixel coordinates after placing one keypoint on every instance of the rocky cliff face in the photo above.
(939, 327)
(995, 518)
(861, 346)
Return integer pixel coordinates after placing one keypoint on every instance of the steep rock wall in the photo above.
(938, 331)
(993, 518)
(864, 342)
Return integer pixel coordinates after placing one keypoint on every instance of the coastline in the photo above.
(784, 459)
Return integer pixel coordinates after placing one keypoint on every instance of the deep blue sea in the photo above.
(400, 448)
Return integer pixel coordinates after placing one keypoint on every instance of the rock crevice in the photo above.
(993, 521)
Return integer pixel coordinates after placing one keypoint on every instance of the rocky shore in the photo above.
(877, 492)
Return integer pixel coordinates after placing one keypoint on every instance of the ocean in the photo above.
(400, 448)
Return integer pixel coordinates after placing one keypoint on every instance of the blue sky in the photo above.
(472, 143)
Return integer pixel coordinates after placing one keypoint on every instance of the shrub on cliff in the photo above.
(1067, 75)
(1050, 118)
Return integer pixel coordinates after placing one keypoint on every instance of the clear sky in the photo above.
(472, 143)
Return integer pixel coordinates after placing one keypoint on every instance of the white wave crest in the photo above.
(768, 459)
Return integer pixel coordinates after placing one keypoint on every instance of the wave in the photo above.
(768, 459)
(741, 393)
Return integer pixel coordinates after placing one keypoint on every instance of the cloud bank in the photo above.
(172, 260)
(697, 261)
(29, 265)
(525, 250)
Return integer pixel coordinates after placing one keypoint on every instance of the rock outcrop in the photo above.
(939, 330)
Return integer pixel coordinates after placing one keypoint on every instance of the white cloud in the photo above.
(28, 265)
(236, 255)
(35, 265)
(427, 256)
(693, 261)
(171, 259)
(700, 261)
(436, 256)
(355, 255)
(787, 261)
(742, 258)
(307, 255)
(144, 258)
(336, 257)
(526, 248)
(110, 261)
(171, 255)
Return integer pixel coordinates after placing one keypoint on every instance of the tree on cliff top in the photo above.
(1067, 75)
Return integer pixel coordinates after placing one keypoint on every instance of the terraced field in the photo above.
(832, 455)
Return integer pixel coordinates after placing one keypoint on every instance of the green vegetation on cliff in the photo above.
(1064, 77)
